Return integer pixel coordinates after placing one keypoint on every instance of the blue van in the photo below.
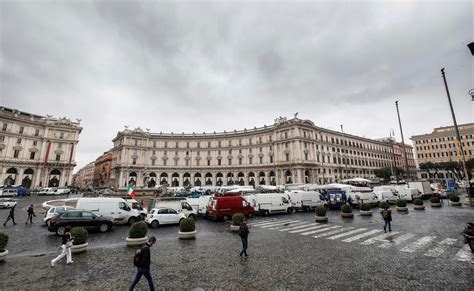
(336, 198)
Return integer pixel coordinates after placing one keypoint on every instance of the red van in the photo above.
(226, 206)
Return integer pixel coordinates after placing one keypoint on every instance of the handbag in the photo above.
(69, 244)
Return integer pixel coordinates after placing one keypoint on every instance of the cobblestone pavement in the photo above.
(424, 251)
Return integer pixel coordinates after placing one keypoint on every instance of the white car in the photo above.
(7, 202)
(53, 211)
(160, 216)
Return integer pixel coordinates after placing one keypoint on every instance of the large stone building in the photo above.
(36, 151)
(400, 162)
(289, 151)
(102, 170)
(84, 178)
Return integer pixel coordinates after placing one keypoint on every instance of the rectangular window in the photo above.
(134, 161)
(271, 159)
(261, 160)
(153, 162)
(219, 143)
(16, 153)
(175, 162)
(37, 131)
(2, 138)
(18, 141)
(208, 144)
(240, 161)
(35, 143)
(208, 162)
(154, 144)
(240, 142)
(187, 163)
(4, 128)
(21, 130)
(287, 157)
(250, 161)
(219, 162)
(166, 145)
(197, 162)
(61, 135)
(135, 142)
(230, 162)
(58, 158)
(164, 162)
(306, 156)
(32, 155)
(198, 145)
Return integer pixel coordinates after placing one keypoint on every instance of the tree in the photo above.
(383, 173)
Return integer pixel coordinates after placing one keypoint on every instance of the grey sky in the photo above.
(192, 66)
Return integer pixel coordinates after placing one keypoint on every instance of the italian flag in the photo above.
(130, 191)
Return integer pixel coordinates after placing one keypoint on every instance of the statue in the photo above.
(296, 115)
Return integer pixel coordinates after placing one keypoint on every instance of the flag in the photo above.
(130, 191)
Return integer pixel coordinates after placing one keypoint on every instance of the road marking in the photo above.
(297, 227)
(441, 248)
(346, 233)
(271, 222)
(265, 221)
(464, 254)
(397, 240)
(320, 230)
(422, 242)
(287, 226)
(380, 238)
(362, 235)
(281, 223)
(333, 232)
(308, 228)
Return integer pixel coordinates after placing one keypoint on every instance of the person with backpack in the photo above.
(387, 217)
(31, 213)
(244, 234)
(141, 260)
(11, 216)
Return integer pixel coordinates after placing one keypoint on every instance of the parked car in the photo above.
(160, 216)
(53, 211)
(10, 192)
(62, 191)
(117, 208)
(306, 200)
(7, 202)
(181, 206)
(48, 191)
(226, 206)
(82, 218)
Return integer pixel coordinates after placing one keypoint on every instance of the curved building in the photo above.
(289, 151)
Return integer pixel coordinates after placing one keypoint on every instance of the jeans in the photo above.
(145, 272)
(245, 245)
(65, 252)
(30, 218)
(387, 222)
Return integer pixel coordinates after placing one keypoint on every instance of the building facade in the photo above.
(289, 151)
(84, 178)
(37, 151)
(400, 158)
(102, 170)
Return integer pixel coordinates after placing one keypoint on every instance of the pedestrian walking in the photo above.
(142, 261)
(66, 245)
(31, 213)
(349, 201)
(244, 234)
(468, 234)
(11, 216)
(387, 217)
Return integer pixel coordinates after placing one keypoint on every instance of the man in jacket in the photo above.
(31, 213)
(387, 217)
(11, 216)
(244, 233)
(143, 266)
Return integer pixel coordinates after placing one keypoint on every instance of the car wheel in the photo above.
(266, 213)
(142, 216)
(155, 223)
(131, 220)
(47, 222)
(103, 227)
(60, 230)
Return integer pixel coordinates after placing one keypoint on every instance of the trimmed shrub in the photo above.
(417, 202)
(346, 208)
(3, 241)
(434, 200)
(80, 235)
(187, 225)
(401, 203)
(365, 207)
(237, 218)
(384, 205)
(454, 198)
(320, 211)
(138, 230)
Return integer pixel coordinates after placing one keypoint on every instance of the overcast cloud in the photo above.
(188, 66)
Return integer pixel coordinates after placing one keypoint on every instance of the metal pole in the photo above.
(392, 164)
(403, 142)
(455, 125)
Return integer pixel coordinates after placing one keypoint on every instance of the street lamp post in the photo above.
(403, 142)
(392, 164)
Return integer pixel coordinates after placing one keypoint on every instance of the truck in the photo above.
(423, 186)
(116, 208)
(305, 200)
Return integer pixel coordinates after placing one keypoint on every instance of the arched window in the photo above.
(11, 177)
(54, 177)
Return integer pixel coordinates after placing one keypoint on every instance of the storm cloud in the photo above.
(197, 66)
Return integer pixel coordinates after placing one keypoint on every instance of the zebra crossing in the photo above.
(430, 246)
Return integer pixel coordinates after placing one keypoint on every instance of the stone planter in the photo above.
(435, 204)
(347, 215)
(234, 228)
(469, 201)
(131, 242)
(187, 235)
(459, 203)
(77, 249)
(366, 212)
(402, 209)
(419, 207)
(3, 255)
(321, 218)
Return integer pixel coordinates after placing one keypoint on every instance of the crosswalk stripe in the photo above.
(380, 238)
(397, 240)
(333, 232)
(422, 242)
(271, 222)
(305, 224)
(308, 228)
(287, 226)
(281, 223)
(464, 254)
(441, 248)
(362, 235)
(346, 233)
(320, 230)
(265, 221)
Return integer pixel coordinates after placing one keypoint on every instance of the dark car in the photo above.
(81, 218)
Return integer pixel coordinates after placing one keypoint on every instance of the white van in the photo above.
(200, 204)
(267, 203)
(138, 207)
(386, 196)
(305, 200)
(116, 208)
(61, 191)
(362, 195)
(408, 194)
(179, 205)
